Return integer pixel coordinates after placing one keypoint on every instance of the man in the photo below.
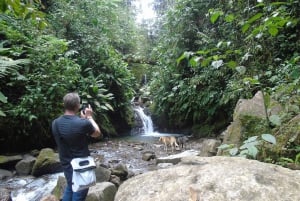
(71, 135)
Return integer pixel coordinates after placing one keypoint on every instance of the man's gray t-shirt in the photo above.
(71, 135)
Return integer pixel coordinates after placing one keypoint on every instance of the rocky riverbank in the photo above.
(117, 159)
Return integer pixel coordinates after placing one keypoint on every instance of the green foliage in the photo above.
(212, 53)
(25, 10)
(250, 147)
(85, 55)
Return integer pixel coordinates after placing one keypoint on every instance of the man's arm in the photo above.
(97, 132)
(89, 115)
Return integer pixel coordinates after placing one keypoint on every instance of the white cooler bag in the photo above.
(83, 173)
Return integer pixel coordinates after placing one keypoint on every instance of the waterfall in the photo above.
(146, 120)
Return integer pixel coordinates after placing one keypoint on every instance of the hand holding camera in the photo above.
(86, 112)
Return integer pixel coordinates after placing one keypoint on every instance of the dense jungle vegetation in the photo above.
(200, 57)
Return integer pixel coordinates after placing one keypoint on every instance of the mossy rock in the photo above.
(46, 163)
(59, 189)
(9, 162)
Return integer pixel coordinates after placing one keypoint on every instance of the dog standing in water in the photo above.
(169, 140)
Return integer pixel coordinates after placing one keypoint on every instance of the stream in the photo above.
(126, 150)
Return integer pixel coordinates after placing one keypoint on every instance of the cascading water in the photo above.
(146, 120)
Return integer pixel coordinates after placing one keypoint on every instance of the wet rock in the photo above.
(176, 158)
(24, 166)
(34, 152)
(46, 163)
(120, 170)
(104, 191)
(49, 198)
(5, 195)
(164, 165)
(102, 174)
(4, 174)
(60, 187)
(209, 147)
(148, 155)
(115, 180)
(9, 162)
(214, 179)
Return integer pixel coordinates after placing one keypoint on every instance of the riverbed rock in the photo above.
(115, 180)
(5, 195)
(47, 162)
(120, 170)
(209, 147)
(49, 198)
(176, 158)
(148, 155)
(61, 184)
(4, 174)
(102, 174)
(104, 191)
(24, 166)
(214, 179)
(9, 162)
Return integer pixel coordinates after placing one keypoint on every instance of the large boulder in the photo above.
(104, 191)
(47, 162)
(249, 119)
(214, 179)
(24, 166)
(102, 174)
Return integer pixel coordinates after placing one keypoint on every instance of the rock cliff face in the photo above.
(214, 179)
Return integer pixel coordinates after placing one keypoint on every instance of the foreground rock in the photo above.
(46, 163)
(104, 191)
(214, 179)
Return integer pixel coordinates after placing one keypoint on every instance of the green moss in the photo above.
(3, 159)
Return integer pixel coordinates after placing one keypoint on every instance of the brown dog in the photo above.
(168, 140)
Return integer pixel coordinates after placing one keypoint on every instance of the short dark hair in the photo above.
(71, 101)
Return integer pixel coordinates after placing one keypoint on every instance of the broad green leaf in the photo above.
(273, 31)
(109, 106)
(252, 151)
(254, 18)
(2, 114)
(241, 69)
(185, 55)
(229, 18)
(3, 98)
(233, 151)
(249, 144)
(3, 6)
(97, 103)
(251, 139)
(269, 138)
(214, 17)
(245, 27)
(244, 153)
(231, 64)
(224, 146)
(275, 119)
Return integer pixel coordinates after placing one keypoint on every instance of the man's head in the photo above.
(72, 102)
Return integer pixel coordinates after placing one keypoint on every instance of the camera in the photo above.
(83, 107)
